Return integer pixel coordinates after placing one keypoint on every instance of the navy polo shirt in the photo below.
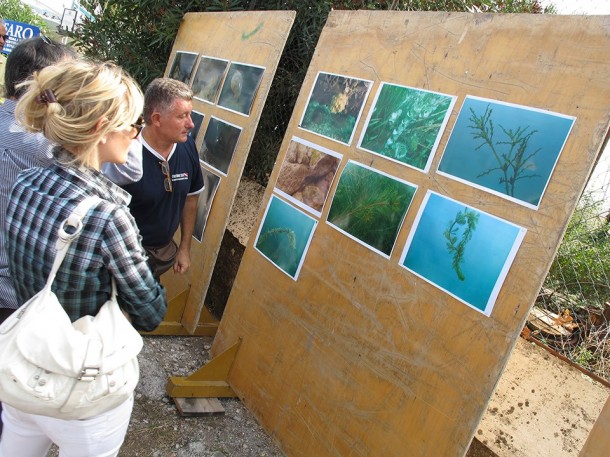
(157, 212)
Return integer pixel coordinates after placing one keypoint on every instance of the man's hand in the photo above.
(183, 261)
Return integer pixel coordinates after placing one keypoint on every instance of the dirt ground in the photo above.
(158, 430)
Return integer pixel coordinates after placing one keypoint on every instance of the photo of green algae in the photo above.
(406, 124)
(284, 236)
(370, 206)
(506, 149)
(334, 106)
(461, 250)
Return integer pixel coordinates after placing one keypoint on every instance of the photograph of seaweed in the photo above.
(506, 149)
(204, 204)
(306, 174)
(370, 206)
(182, 67)
(461, 250)
(406, 124)
(240, 86)
(208, 78)
(219, 143)
(334, 106)
(197, 119)
(284, 235)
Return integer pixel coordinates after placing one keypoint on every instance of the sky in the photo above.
(580, 6)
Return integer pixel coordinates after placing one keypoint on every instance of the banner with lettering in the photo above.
(16, 32)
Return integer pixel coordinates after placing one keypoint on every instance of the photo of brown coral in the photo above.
(307, 173)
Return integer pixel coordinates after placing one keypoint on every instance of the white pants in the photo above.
(29, 435)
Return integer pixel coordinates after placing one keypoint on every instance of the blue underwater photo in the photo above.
(507, 149)
(461, 250)
(284, 236)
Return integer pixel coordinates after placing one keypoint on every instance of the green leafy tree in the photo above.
(15, 10)
(139, 35)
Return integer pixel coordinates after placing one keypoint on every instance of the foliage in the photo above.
(15, 10)
(511, 154)
(139, 36)
(581, 267)
(466, 223)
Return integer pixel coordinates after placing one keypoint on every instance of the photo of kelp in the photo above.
(197, 119)
(208, 78)
(204, 204)
(506, 149)
(182, 67)
(240, 86)
(461, 250)
(306, 174)
(370, 206)
(406, 124)
(284, 236)
(219, 143)
(334, 106)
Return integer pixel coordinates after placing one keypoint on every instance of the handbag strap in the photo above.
(64, 238)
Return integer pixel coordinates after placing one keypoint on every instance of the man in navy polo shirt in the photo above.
(166, 196)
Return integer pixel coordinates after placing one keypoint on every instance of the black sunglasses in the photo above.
(4, 37)
(138, 125)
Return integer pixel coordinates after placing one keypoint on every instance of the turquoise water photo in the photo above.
(507, 149)
(461, 250)
(284, 236)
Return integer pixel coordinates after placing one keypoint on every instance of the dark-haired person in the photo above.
(3, 38)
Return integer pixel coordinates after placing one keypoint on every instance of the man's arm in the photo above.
(187, 226)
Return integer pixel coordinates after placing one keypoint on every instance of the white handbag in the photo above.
(68, 370)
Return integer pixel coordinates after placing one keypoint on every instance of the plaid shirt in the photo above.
(108, 246)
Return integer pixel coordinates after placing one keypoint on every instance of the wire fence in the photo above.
(572, 312)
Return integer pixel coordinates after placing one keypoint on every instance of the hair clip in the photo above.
(46, 97)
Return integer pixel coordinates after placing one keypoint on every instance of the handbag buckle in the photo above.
(88, 374)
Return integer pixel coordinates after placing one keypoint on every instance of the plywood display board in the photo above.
(229, 60)
(377, 321)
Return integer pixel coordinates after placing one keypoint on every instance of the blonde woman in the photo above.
(91, 111)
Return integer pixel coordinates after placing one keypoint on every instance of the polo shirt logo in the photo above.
(180, 177)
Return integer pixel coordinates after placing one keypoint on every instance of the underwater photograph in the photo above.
(307, 173)
(461, 250)
(197, 119)
(370, 206)
(183, 65)
(208, 77)
(284, 236)
(506, 149)
(204, 204)
(334, 106)
(239, 87)
(406, 124)
(219, 143)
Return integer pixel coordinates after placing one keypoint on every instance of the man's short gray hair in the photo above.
(161, 94)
